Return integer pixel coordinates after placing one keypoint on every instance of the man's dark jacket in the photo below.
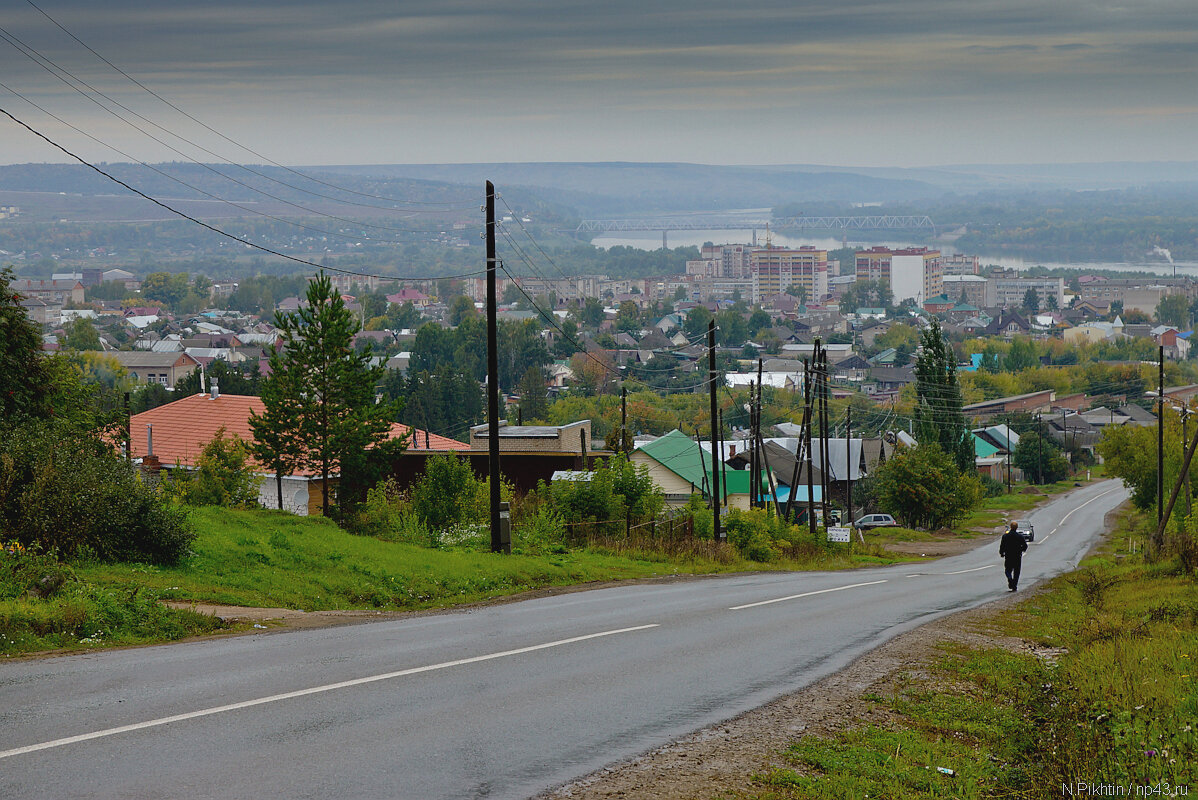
(1011, 547)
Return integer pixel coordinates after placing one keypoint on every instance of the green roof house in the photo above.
(680, 468)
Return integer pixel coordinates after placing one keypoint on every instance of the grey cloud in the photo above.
(562, 63)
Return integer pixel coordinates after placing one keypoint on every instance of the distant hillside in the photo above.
(615, 188)
(75, 192)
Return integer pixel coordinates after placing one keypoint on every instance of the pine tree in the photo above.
(23, 375)
(938, 415)
(321, 393)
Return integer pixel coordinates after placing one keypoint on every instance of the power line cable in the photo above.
(201, 223)
(247, 149)
(54, 70)
(184, 183)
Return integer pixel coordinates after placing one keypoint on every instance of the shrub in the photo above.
(22, 568)
(222, 477)
(448, 493)
(69, 492)
(749, 532)
(617, 489)
(993, 488)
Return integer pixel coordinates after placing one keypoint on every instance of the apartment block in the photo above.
(913, 274)
(959, 264)
(735, 260)
(1003, 292)
(775, 269)
(973, 287)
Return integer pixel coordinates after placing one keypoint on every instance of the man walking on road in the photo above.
(1011, 548)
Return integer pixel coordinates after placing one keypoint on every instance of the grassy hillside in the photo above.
(271, 559)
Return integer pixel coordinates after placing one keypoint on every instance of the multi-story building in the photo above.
(735, 259)
(1137, 294)
(705, 268)
(958, 264)
(1007, 292)
(972, 286)
(913, 273)
(61, 292)
(776, 269)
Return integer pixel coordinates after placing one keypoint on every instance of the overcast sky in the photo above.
(841, 82)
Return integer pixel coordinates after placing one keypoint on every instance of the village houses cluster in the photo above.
(803, 295)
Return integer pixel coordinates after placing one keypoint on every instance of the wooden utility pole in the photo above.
(1160, 439)
(498, 545)
(1185, 437)
(848, 463)
(807, 437)
(752, 410)
(1158, 538)
(794, 478)
(717, 531)
(624, 421)
(825, 462)
(723, 470)
(1008, 438)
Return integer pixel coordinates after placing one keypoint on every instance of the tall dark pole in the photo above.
(717, 531)
(1039, 451)
(624, 420)
(848, 464)
(723, 465)
(807, 437)
(497, 543)
(794, 478)
(1160, 439)
(825, 464)
(752, 448)
(1009, 448)
(758, 453)
(1185, 414)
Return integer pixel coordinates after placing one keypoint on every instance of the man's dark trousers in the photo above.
(1011, 549)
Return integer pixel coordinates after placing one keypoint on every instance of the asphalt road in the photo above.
(502, 702)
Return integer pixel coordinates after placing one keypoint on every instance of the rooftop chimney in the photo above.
(215, 388)
(149, 440)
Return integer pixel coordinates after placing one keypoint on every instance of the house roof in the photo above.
(983, 448)
(676, 452)
(143, 359)
(182, 428)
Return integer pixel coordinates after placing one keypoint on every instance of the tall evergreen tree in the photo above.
(23, 374)
(321, 391)
(938, 414)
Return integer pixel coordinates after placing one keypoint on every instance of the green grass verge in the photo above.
(273, 559)
(1114, 703)
(83, 616)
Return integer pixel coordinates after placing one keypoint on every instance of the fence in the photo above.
(673, 535)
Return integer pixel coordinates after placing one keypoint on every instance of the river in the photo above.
(652, 241)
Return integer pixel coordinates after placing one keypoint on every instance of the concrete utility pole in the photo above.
(498, 543)
(717, 531)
